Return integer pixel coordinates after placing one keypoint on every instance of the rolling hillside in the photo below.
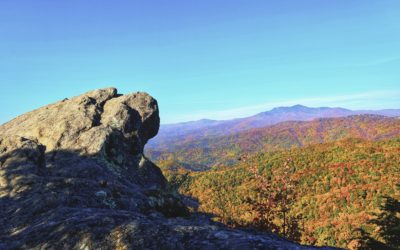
(171, 134)
(204, 152)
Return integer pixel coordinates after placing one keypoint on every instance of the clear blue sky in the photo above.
(202, 59)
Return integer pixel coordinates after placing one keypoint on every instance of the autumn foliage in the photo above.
(272, 200)
(322, 194)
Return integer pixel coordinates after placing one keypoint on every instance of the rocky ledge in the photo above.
(73, 176)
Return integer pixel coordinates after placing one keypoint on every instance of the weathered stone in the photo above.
(73, 176)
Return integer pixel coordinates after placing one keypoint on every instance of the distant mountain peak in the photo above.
(302, 108)
(297, 107)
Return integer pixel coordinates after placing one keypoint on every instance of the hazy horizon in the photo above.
(270, 109)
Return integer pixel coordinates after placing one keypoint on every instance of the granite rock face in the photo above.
(73, 176)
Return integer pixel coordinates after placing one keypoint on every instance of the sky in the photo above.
(202, 59)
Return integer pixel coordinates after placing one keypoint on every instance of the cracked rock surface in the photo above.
(73, 176)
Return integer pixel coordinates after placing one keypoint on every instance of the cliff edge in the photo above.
(73, 176)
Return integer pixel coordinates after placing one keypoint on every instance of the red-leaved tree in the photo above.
(275, 195)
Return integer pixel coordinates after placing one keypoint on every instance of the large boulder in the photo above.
(73, 176)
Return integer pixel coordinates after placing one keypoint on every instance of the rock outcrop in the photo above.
(73, 176)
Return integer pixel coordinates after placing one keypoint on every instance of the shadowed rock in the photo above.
(73, 176)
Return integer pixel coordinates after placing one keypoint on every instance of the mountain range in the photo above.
(176, 132)
(337, 167)
(205, 143)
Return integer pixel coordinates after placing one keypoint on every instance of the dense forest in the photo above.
(342, 193)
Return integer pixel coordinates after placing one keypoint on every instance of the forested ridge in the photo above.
(204, 152)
